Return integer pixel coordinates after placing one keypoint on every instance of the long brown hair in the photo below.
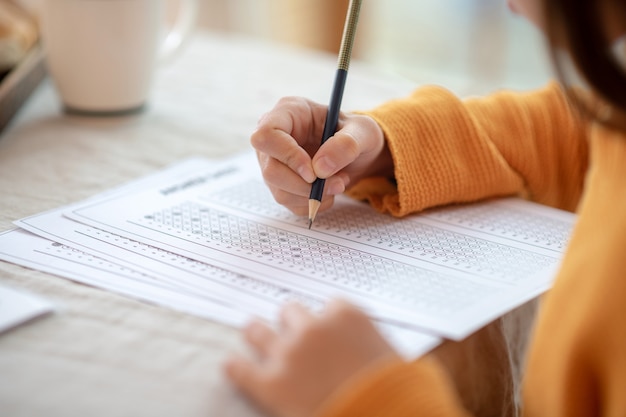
(579, 26)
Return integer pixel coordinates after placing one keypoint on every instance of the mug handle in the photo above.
(180, 30)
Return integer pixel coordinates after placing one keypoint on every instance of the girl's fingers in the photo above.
(276, 145)
(248, 376)
(300, 205)
(288, 134)
(289, 190)
(241, 371)
(260, 337)
(294, 316)
(279, 176)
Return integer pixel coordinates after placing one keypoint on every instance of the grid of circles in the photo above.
(502, 221)
(83, 258)
(348, 268)
(510, 223)
(254, 197)
(433, 244)
(364, 225)
(260, 288)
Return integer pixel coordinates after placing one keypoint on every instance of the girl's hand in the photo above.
(299, 366)
(287, 141)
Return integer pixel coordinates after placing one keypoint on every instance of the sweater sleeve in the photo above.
(420, 388)
(446, 150)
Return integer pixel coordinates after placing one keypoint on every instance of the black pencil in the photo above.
(330, 125)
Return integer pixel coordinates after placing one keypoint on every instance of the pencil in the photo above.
(332, 116)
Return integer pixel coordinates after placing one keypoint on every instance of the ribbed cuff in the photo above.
(397, 389)
(440, 155)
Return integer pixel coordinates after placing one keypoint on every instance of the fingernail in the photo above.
(325, 167)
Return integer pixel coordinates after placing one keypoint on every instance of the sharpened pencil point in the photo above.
(314, 205)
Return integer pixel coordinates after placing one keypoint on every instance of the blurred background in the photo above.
(468, 45)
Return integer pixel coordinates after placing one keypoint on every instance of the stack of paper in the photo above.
(207, 238)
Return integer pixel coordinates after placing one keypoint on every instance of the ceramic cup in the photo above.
(102, 54)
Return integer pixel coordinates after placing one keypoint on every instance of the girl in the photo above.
(563, 146)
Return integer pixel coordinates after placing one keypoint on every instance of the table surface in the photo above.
(101, 353)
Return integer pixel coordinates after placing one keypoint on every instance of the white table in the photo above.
(101, 354)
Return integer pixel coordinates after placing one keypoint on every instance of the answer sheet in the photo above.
(446, 272)
(234, 309)
(112, 262)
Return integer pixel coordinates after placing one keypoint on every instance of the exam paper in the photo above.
(72, 249)
(24, 248)
(164, 267)
(447, 271)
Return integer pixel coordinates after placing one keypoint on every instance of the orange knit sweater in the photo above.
(446, 150)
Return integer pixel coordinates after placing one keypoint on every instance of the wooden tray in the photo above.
(19, 83)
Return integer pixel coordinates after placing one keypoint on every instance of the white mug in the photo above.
(102, 54)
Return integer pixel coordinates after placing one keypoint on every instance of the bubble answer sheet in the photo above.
(83, 254)
(233, 309)
(446, 272)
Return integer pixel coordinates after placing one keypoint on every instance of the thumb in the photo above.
(335, 154)
(360, 136)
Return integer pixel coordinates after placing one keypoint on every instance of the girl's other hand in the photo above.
(296, 368)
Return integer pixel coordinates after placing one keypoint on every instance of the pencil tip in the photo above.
(314, 205)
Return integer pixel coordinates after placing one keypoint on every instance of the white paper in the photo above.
(447, 271)
(27, 249)
(18, 307)
(23, 248)
(155, 275)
